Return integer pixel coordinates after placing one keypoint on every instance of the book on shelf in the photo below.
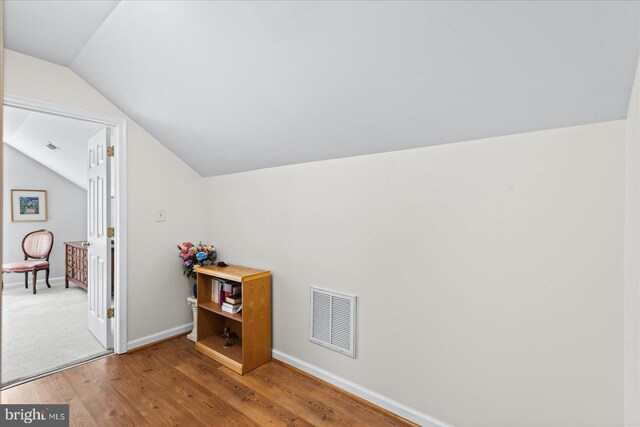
(215, 292)
(229, 286)
(234, 299)
(230, 304)
(235, 308)
(222, 289)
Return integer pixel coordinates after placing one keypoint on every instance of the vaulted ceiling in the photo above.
(30, 132)
(53, 30)
(236, 86)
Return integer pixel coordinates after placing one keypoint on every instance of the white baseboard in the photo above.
(39, 282)
(362, 392)
(150, 339)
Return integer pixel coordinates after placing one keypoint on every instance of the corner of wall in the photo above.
(632, 260)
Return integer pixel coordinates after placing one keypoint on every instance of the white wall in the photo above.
(632, 260)
(489, 273)
(157, 179)
(66, 211)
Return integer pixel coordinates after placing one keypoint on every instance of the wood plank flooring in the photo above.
(171, 384)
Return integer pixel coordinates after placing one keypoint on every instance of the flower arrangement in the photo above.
(195, 256)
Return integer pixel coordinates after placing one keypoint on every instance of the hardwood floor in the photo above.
(171, 384)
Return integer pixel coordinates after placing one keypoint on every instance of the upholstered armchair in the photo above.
(37, 247)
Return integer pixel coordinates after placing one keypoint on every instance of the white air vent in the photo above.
(333, 321)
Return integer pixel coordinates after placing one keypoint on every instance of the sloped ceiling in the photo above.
(29, 133)
(53, 30)
(236, 86)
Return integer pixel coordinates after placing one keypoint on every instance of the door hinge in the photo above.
(111, 232)
(111, 151)
(110, 313)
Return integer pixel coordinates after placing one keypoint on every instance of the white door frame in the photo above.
(120, 144)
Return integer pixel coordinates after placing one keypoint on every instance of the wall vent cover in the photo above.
(333, 321)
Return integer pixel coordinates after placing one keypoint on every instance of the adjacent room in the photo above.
(294, 213)
(44, 297)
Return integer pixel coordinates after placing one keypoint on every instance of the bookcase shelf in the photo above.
(252, 324)
(215, 308)
(216, 344)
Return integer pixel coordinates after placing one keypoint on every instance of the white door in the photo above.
(98, 242)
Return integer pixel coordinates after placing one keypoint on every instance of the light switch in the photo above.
(161, 215)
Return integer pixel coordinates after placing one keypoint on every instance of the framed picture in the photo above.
(28, 205)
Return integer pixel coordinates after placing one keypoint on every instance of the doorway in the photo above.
(64, 323)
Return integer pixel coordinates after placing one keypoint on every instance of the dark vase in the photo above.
(195, 290)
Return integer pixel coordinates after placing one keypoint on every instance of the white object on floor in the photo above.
(193, 303)
(45, 331)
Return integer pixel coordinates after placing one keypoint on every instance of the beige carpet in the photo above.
(44, 332)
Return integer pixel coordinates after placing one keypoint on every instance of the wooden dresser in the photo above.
(76, 265)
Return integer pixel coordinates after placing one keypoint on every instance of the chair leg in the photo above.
(35, 277)
(26, 280)
(47, 278)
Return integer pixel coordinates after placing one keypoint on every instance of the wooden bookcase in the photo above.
(252, 324)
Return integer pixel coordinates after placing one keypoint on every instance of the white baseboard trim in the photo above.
(39, 282)
(150, 339)
(362, 392)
